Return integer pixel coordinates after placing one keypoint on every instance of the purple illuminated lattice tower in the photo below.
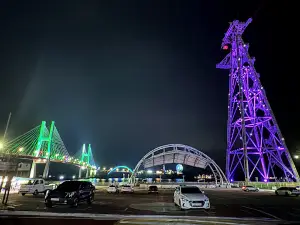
(255, 146)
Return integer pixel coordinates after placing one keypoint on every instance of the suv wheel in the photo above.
(75, 202)
(90, 199)
(48, 204)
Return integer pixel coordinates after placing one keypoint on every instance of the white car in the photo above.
(190, 197)
(287, 191)
(126, 189)
(112, 189)
(35, 186)
(250, 188)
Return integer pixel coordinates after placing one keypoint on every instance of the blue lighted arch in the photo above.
(118, 167)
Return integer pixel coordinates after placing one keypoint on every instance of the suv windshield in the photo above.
(190, 190)
(153, 187)
(69, 186)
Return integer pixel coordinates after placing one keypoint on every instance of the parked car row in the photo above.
(129, 189)
(122, 189)
(73, 192)
(68, 192)
(286, 191)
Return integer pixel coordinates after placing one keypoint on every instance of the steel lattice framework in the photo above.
(255, 145)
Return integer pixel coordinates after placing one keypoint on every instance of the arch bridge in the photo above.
(120, 167)
(183, 154)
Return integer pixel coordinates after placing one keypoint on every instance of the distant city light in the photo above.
(296, 156)
(73, 177)
(61, 177)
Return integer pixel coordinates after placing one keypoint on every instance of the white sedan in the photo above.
(250, 188)
(126, 189)
(112, 189)
(190, 197)
(287, 191)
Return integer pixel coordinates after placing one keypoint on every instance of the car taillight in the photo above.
(243, 187)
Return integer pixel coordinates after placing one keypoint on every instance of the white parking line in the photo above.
(261, 211)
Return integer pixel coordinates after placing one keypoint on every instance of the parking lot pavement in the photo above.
(224, 202)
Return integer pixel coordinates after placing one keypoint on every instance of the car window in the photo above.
(153, 187)
(191, 190)
(282, 188)
(69, 186)
(85, 185)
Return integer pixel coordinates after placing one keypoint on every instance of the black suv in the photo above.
(152, 189)
(71, 193)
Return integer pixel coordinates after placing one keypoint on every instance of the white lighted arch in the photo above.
(183, 154)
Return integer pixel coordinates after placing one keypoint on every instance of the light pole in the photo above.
(6, 173)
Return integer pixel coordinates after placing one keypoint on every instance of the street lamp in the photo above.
(296, 156)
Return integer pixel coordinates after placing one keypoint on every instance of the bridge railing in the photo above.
(269, 185)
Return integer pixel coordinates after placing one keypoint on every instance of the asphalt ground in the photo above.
(224, 203)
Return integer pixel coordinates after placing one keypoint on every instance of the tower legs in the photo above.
(33, 170)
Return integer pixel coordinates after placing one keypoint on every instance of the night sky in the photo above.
(129, 76)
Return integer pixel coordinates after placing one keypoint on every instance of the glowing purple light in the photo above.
(254, 142)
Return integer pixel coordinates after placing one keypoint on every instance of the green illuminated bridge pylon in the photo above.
(44, 145)
(86, 159)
